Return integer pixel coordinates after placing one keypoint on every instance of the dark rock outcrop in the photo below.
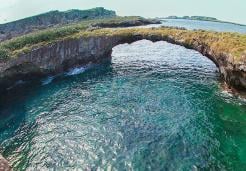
(55, 58)
(50, 19)
(60, 56)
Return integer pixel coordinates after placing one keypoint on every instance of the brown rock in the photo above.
(4, 165)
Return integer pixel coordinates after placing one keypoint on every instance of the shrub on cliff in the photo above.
(9, 47)
(230, 43)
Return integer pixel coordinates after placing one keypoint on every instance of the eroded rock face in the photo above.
(55, 58)
(233, 74)
(62, 55)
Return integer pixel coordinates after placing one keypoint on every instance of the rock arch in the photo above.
(98, 45)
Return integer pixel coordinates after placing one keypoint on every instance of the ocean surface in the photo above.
(155, 106)
(204, 25)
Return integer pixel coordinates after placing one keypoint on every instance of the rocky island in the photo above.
(199, 18)
(51, 19)
(202, 18)
(54, 42)
(56, 50)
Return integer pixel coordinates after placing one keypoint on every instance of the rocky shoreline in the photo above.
(95, 44)
(62, 55)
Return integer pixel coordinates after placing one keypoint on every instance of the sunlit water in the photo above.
(156, 106)
(204, 25)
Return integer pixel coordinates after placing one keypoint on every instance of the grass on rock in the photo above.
(218, 42)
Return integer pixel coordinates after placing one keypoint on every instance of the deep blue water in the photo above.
(156, 106)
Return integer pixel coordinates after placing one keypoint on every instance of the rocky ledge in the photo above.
(226, 50)
(130, 23)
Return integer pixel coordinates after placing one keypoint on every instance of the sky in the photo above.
(227, 10)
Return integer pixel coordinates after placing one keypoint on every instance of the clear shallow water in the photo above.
(204, 25)
(157, 106)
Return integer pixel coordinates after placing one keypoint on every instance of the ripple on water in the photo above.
(157, 106)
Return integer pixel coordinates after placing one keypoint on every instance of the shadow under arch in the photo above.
(97, 46)
(231, 73)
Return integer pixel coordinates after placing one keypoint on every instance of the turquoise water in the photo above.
(204, 25)
(156, 106)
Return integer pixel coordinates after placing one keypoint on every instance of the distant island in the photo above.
(200, 18)
(203, 18)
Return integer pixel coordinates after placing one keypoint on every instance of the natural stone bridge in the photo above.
(226, 50)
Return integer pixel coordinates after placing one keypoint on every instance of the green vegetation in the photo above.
(11, 48)
(57, 17)
(218, 42)
(51, 19)
(230, 43)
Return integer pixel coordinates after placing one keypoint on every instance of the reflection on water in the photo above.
(157, 106)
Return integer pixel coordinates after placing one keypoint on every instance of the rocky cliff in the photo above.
(51, 19)
(96, 45)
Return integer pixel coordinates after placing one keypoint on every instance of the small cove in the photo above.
(156, 106)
